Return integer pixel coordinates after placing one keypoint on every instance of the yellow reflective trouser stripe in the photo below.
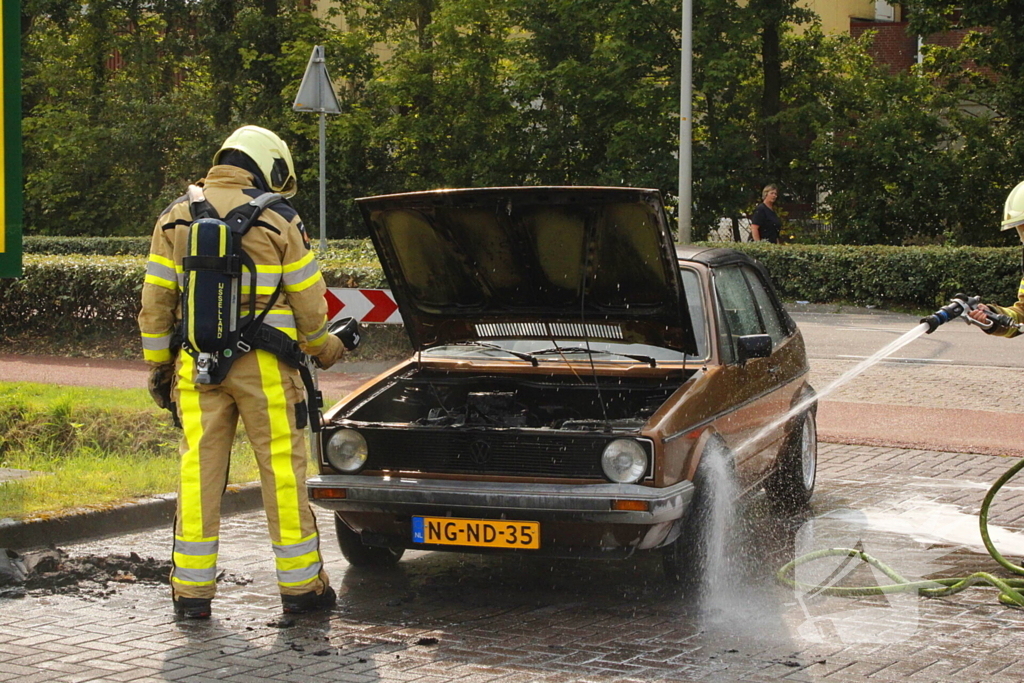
(285, 564)
(280, 448)
(192, 421)
(298, 563)
(195, 562)
(297, 577)
(195, 577)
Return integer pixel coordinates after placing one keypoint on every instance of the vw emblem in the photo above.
(480, 452)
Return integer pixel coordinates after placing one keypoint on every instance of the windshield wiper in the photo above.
(579, 349)
(518, 354)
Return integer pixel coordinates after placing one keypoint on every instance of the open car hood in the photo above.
(531, 263)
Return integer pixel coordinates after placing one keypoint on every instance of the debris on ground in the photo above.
(52, 571)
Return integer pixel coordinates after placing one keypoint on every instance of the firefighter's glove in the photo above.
(159, 385)
(329, 353)
(347, 330)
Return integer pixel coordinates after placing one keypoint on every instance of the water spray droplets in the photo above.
(847, 376)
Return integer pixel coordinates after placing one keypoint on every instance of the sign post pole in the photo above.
(10, 139)
(316, 93)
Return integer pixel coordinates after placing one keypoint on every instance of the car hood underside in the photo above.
(531, 262)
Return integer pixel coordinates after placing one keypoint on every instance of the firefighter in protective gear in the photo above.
(261, 389)
(1013, 218)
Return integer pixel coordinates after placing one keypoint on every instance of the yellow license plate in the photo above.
(486, 533)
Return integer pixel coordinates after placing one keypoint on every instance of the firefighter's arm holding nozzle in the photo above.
(1014, 313)
(1005, 320)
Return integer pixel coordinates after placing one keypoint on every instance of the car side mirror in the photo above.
(754, 346)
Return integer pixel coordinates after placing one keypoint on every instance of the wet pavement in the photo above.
(447, 617)
(453, 617)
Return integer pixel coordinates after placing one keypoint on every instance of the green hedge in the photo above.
(909, 277)
(64, 293)
(124, 246)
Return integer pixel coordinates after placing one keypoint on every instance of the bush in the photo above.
(100, 246)
(132, 246)
(69, 295)
(910, 277)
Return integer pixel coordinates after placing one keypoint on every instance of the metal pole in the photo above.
(323, 182)
(685, 123)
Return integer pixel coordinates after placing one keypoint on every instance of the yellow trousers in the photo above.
(268, 396)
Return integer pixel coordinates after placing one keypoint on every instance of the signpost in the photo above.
(10, 139)
(316, 93)
(686, 123)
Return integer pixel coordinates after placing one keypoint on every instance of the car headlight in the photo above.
(624, 461)
(346, 451)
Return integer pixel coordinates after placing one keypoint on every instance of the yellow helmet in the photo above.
(1013, 211)
(269, 152)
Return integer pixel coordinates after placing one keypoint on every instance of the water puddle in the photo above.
(931, 523)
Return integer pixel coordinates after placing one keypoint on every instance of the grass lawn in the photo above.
(95, 447)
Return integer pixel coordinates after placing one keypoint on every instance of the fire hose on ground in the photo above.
(1010, 590)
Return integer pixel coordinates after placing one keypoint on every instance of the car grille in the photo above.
(508, 453)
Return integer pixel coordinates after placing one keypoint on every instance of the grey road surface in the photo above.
(854, 336)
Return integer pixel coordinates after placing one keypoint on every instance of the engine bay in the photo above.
(430, 398)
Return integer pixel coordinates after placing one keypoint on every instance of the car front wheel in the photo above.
(359, 555)
(792, 484)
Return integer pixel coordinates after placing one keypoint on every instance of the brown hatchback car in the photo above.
(571, 368)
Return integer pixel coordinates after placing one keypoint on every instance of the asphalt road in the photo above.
(855, 336)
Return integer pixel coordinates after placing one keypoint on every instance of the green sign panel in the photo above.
(10, 139)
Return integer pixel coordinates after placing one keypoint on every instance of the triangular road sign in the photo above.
(316, 92)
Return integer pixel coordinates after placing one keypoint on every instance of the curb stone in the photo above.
(134, 516)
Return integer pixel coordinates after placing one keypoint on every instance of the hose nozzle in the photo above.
(956, 307)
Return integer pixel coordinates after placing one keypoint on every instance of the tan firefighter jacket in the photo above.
(279, 247)
(1016, 313)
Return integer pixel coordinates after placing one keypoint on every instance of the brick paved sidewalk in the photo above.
(450, 617)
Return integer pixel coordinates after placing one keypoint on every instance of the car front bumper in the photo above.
(588, 503)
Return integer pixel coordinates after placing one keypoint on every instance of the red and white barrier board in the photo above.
(365, 305)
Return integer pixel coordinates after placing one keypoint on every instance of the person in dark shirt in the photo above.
(764, 224)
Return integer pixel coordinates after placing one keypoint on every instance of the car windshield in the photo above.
(545, 349)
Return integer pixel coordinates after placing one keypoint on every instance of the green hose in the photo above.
(1008, 588)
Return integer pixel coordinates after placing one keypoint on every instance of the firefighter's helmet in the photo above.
(1013, 211)
(269, 152)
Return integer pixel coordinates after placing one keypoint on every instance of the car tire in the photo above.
(359, 555)
(792, 484)
(683, 559)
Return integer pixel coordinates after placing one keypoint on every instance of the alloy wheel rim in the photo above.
(809, 452)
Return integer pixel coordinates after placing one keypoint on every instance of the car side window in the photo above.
(766, 307)
(695, 304)
(737, 310)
